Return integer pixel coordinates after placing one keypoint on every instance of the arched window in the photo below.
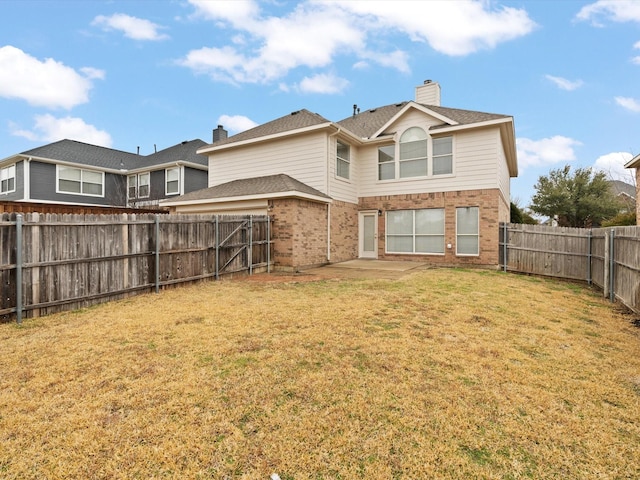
(413, 153)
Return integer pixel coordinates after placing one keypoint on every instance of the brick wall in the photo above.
(492, 209)
(344, 231)
(299, 233)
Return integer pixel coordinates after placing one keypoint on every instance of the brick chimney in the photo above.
(219, 134)
(428, 93)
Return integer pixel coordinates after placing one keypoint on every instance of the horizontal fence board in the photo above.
(608, 258)
(73, 261)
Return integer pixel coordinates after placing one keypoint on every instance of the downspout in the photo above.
(26, 179)
(329, 193)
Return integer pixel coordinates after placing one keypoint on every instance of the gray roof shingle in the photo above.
(366, 123)
(294, 121)
(270, 184)
(101, 157)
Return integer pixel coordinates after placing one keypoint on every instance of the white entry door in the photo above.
(368, 234)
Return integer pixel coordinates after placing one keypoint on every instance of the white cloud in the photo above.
(263, 49)
(547, 151)
(612, 164)
(48, 128)
(236, 123)
(323, 83)
(614, 10)
(629, 103)
(452, 28)
(132, 27)
(565, 84)
(45, 83)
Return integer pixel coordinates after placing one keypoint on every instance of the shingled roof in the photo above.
(72, 151)
(294, 121)
(256, 186)
(367, 123)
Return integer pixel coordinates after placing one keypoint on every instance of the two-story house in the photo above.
(76, 173)
(412, 180)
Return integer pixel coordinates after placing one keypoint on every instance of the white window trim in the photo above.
(413, 234)
(148, 174)
(429, 175)
(166, 181)
(135, 187)
(477, 235)
(64, 192)
(345, 160)
(7, 169)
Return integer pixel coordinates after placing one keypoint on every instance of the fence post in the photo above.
(250, 253)
(157, 254)
(19, 268)
(606, 265)
(505, 231)
(589, 254)
(217, 241)
(612, 265)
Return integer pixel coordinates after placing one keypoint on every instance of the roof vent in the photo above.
(184, 142)
(296, 112)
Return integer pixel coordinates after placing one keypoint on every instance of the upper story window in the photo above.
(8, 179)
(138, 185)
(387, 162)
(343, 160)
(80, 181)
(413, 153)
(172, 181)
(416, 155)
(443, 156)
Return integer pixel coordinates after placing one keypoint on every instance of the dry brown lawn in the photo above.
(441, 374)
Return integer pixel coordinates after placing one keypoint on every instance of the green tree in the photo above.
(581, 199)
(519, 215)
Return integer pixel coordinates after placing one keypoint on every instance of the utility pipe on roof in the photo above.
(329, 193)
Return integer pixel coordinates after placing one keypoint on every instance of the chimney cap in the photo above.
(427, 82)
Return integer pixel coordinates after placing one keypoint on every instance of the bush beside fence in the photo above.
(52, 262)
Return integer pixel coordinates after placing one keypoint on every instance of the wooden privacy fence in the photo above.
(608, 258)
(54, 262)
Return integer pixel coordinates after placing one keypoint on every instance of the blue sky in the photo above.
(129, 74)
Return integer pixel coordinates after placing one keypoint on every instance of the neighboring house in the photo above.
(76, 173)
(635, 163)
(412, 180)
(626, 194)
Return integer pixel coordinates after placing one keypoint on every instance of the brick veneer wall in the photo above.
(493, 209)
(299, 233)
(344, 231)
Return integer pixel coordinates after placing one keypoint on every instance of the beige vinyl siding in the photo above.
(475, 166)
(340, 188)
(303, 157)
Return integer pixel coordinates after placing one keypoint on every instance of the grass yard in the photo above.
(442, 374)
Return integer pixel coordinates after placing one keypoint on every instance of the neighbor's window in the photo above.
(442, 155)
(415, 231)
(8, 179)
(143, 184)
(413, 153)
(132, 186)
(172, 176)
(387, 162)
(342, 160)
(80, 181)
(467, 231)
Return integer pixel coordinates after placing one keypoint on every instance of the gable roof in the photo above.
(298, 120)
(366, 124)
(85, 154)
(618, 187)
(270, 186)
